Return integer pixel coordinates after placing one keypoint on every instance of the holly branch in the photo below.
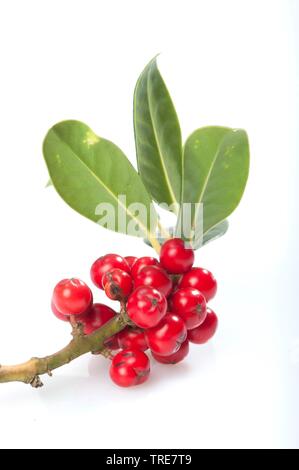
(91, 173)
(29, 372)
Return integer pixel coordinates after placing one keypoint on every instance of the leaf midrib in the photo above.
(209, 174)
(207, 180)
(171, 193)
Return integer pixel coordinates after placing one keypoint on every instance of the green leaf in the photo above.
(196, 238)
(216, 165)
(87, 170)
(158, 138)
(216, 232)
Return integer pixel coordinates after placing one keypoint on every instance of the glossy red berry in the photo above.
(131, 260)
(79, 318)
(59, 315)
(167, 337)
(176, 357)
(206, 330)
(190, 305)
(104, 264)
(132, 338)
(130, 367)
(202, 280)
(117, 284)
(156, 277)
(146, 306)
(175, 257)
(141, 263)
(98, 315)
(72, 297)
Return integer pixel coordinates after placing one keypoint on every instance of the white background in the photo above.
(229, 63)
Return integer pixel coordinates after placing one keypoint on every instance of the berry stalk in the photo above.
(29, 372)
(154, 242)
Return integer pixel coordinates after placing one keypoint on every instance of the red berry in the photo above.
(117, 284)
(104, 264)
(59, 315)
(167, 337)
(130, 367)
(202, 280)
(72, 297)
(141, 263)
(132, 338)
(206, 330)
(175, 357)
(190, 305)
(175, 257)
(131, 260)
(99, 315)
(80, 318)
(146, 306)
(156, 277)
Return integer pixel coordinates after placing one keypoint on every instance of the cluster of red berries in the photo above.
(165, 302)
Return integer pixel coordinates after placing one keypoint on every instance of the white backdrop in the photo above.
(228, 63)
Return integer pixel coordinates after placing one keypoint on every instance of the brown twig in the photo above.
(29, 372)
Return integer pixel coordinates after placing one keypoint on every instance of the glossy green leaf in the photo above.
(216, 165)
(158, 138)
(216, 232)
(87, 170)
